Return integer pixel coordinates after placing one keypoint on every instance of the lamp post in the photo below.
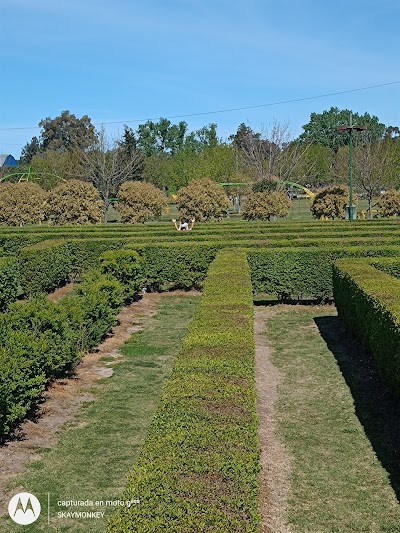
(350, 129)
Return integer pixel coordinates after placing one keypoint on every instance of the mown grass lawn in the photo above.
(338, 483)
(94, 455)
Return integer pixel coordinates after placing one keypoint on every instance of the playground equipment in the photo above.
(30, 174)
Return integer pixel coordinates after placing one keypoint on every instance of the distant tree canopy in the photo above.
(322, 128)
(63, 133)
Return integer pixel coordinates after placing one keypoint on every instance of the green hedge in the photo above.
(176, 266)
(303, 272)
(199, 465)
(40, 340)
(127, 267)
(10, 283)
(50, 264)
(368, 301)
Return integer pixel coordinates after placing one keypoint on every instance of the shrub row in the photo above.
(9, 281)
(50, 264)
(176, 266)
(40, 339)
(198, 468)
(303, 272)
(368, 301)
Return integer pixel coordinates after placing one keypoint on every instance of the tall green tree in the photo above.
(322, 128)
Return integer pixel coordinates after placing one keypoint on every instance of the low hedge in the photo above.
(127, 267)
(50, 264)
(303, 272)
(368, 301)
(199, 465)
(10, 283)
(40, 339)
(176, 266)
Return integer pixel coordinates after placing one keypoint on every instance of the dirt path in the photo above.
(274, 458)
(65, 397)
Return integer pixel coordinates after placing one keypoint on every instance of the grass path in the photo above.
(337, 482)
(94, 455)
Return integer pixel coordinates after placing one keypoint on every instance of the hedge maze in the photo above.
(198, 469)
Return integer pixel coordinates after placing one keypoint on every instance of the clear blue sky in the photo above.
(123, 59)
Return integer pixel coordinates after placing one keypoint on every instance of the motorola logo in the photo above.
(24, 508)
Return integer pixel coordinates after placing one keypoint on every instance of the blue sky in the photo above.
(126, 60)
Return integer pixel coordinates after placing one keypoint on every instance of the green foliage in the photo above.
(177, 266)
(22, 203)
(368, 301)
(40, 340)
(322, 128)
(304, 272)
(9, 281)
(45, 266)
(202, 199)
(331, 202)
(265, 185)
(139, 202)
(264, 205)
(389, 204)
(201, 455)
(92, 309)
(127, 266)
(75, 202)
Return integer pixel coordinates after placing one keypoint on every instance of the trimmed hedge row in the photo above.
(368, 301)
(40, 339)
(176, 266)
(198, 468)
(303, 272)
(9, 281)
(50, 264)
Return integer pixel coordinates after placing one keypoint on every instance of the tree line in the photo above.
(170, 156)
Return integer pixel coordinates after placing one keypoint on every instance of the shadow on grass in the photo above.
(376, 406)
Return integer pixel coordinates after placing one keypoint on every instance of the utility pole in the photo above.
(350, 129)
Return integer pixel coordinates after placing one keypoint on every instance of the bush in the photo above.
(139, 201)
(368, 302)
(200, 458)
(203, 200)
(75, 202)
(389, 204)
(127, 267)
(264, 205)
(177, 266)
(40, 340)
(22, 203)
(9, 281)
(331, 202)
(265, 185)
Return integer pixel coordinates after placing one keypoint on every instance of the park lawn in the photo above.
(94, 454)
(338, 483)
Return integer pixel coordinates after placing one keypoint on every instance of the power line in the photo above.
(270, 104)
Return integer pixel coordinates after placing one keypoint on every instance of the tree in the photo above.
(22, 203)
(264, 205)
(63, 133)
(107, 165)
(67, 132)
(139, 201)
(372, 169)
(202, 199)
(389, 204)
(331, 202)
(161, 136)
(30, 150)
(50, 167)
(322, 128)
(268, 154)
(75, 202)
